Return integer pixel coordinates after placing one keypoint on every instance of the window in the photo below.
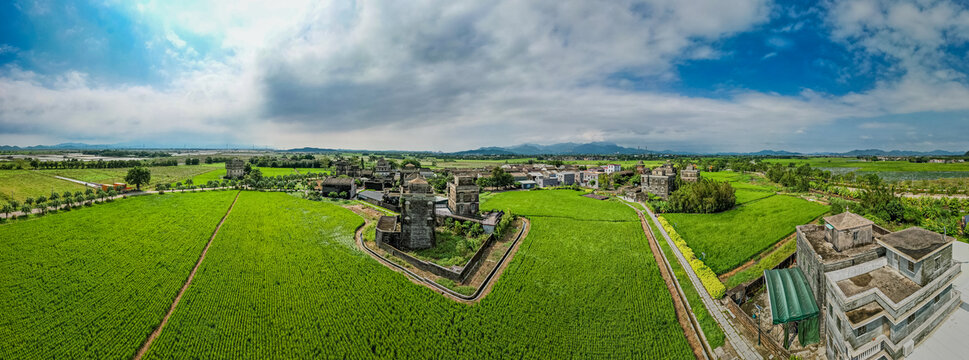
(861, 331)
(911, 266)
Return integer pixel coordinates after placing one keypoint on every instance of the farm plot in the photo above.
(21, 184)
(283, 280)
(748, 187)
(730, 238)
(219, 173)
(159, 174)
(94, 282)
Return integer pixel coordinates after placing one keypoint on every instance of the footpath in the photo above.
(743, 347)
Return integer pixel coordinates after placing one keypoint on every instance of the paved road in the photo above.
(740, 343)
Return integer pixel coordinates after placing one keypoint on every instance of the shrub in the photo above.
(703, 197)
(707, 277)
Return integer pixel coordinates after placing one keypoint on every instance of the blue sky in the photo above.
(692, 75)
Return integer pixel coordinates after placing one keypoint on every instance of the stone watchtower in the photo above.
(235, 168)
(462, 196)
(661, 181)
(417, 215)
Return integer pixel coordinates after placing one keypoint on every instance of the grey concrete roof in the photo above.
(915, 242)
(847, 220)
(814, 234)
(889, 281)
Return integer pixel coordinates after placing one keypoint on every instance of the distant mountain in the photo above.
(593, 148)
(878, 152)
(312, 150)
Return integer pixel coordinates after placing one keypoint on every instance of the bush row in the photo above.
(707, 276)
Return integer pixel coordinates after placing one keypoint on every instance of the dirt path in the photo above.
(420, 278)
(683, 315)
(723, 278)
(191, 275)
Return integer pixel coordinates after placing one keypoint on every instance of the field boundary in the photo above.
(479, 293)
(690, 325)
(154, 334)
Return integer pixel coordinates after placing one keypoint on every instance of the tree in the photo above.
(7, 209)
(705, 196)
(138, 176)
(416, 163)
(255, 175)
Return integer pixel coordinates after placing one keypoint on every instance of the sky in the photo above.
(451, 75)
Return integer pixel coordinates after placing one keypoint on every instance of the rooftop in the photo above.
(346, 181)
(814, 234)
(915, 242)
(847, 220)
(868, 311)
(890, 282)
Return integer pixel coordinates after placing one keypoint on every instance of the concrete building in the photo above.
(417, 215)
(345, 167)
(660, 181)
(527, 184)
(611, 168)
(880, 293)
(235, 169)
(566, 178)
(543, 182)
(690, 174)
(462, 196)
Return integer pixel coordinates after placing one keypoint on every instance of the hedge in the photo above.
(707, 276)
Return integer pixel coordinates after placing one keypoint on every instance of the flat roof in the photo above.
(868, 311)
(814, 234)
(915, 242)
(847, 220)
(889, 281)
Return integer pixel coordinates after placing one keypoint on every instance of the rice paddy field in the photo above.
(748, 187)
(874, 166)
(283, 279)
(159, 174)
(219, 172)
(21, 184)
(94, 282)
(728, 239)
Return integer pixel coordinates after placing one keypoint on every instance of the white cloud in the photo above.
(452, 75)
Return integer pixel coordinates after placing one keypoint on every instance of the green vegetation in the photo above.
(871, 166)
(452, 249)
(711, 329)
(707, 277)
(159, 174)
(703, 197)
(94, 282)
(766, 263)
(283, 280)
(18, 185)
(728, 239)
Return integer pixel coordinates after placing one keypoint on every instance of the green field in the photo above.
(219, 173)
(94, 282)
(872, 166)
(748, 187)
(730, 238)
(711, 329)
(21, 184)
(159, 174)
(283, 281)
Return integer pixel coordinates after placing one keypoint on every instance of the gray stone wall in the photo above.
(417, 221)
(936, 264)
(659, 185)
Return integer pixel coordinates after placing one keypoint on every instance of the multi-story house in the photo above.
(880, 292)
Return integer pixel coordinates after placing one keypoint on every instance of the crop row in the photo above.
(93, 282)
(707, 277)
(281, 281)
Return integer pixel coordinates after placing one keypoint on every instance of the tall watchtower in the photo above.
(462, 196)
(417, 214)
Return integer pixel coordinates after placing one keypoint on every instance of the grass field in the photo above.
(282, 280)
(94, 282)
(768, 262)
(21, 184)
(730, 238)
(440, 163)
